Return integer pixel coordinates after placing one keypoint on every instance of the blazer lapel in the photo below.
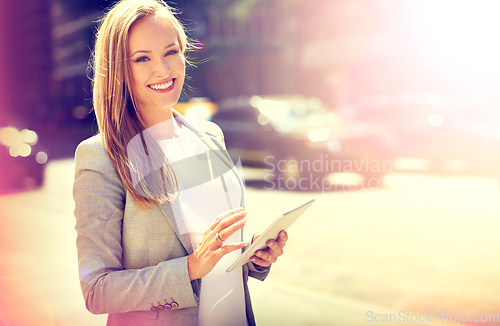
(214, 148)
(206, 139)
(168, 213)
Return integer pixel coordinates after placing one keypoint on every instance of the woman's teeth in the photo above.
(162, 86)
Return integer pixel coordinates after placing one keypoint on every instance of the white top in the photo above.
(202, 199)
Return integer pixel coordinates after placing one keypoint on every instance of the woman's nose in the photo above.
(162, 68)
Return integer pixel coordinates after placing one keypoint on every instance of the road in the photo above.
(420, 246)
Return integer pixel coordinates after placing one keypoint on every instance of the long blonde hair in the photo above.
(118, 118)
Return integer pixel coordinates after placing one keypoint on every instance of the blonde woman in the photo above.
(158, 203)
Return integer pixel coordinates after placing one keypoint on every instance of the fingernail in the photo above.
(282, 233)
(270, 243)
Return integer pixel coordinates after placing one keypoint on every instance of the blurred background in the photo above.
(385, 111)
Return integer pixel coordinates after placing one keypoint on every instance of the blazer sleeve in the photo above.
(107, 287)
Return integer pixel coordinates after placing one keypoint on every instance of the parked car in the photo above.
(296, 139)
(22, 160)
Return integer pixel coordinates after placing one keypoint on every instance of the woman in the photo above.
(149, 184)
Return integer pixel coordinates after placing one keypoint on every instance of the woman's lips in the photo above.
(165, 86)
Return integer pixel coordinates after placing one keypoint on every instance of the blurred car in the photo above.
(450, 135)
(293, 137)
(412, 123)
(22, 160)
(198, 107)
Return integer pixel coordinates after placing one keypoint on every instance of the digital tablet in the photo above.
(283, 222)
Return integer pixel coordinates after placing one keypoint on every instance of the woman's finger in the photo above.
(231, 247)
(225, 233)
(266, 257)
(225, 215)
(282, 239)
(274, 249)
(222, 224)
(263, 258)
(230, 220)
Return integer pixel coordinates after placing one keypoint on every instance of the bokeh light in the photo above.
(41, 157)
(10, 136)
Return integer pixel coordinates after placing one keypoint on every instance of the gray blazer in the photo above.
(133, 263)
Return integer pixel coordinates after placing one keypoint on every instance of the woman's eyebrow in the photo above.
(169, 46)
(140, 51)
(147, 51)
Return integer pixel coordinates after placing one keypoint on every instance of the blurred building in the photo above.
(337, 50)
(25, 62)
(312, 48)
(74, 24)
(249, 55)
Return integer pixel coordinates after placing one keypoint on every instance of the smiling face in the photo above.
(157, 67)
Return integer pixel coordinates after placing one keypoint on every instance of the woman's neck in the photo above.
(165, 127)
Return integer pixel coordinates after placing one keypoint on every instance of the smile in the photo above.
(157, 87)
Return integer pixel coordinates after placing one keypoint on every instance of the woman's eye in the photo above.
(171, 52)
(141, 59)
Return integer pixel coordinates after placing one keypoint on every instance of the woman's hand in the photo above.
(266, 257)
(210, 250)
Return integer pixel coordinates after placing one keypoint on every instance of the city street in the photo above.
(421, 245)
(396, 100)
